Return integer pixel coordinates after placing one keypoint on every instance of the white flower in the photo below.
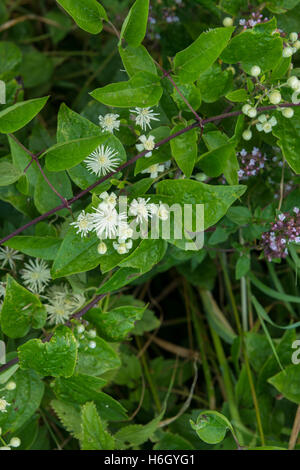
(140, 209)
(147, 144)
(3, 405)
(84, 223)
(124, 232)
(108, 199)
(154, 170)
(265, 124)
(36, 275)
(144, 116)
(109, 122)
(106, 221)
(102, 160)
(62, 303)
(122, 247)
(9, 256)
(296, 210)
(161, 211)
(281, 217)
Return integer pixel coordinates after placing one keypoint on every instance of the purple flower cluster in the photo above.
(285, 230)
(254, 19)
(167, 14)
(251, 163)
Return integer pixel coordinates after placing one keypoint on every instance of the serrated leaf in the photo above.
(21, 310)
(94, 437)
(55, 358)
(69, 415)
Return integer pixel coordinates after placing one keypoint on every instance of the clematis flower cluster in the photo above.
(285, 230)
(251, 163)
(110, 224)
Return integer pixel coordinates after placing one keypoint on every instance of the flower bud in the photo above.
(228, 21)
(293, 82)
(92, 333)
(15, 442)
(255, 71)
(293, 37)
(92, 344)
(247, 135)
(80, 329)
(102, 248)
(297, 45)
(10, 385)
(287, 112)
(275, 97)
(245, 109)
(287, 52)
(252, 113)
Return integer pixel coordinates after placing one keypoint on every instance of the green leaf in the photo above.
(146, 255)
(120, 278)
(44, 197)
(20, 160)
(38, 247)
(238, 96)
(94, 437)
(71, 124)
(76, 255)
(254, 48)
(211, 426)
(287, 383)
(142, 90)
(66, 155)
(10, 59)
(36, 69)
(201, 54)
(216, 199)
(21, 310)
(171, 441)
(243, 266)
(215, 162)
(288, 131)
(233, 6)
(9, 174)
(214, 83)
(191, 93)
(18, 115)
(24, 400)
(69, 415)
(135, 24)
(86, 13)
(137, 59)
(115, 325)
(55, 358)
(184, 149)
(137, 434)
(98, 360)
(82, 388)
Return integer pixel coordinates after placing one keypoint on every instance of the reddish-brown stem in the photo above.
(76, 316)
(134, 159)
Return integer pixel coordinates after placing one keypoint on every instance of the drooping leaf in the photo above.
(21, 310)
(88, 14)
